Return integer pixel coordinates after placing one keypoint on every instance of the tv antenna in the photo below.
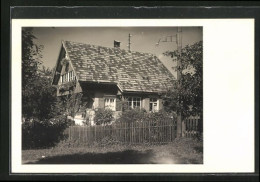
(129, 42)
(177, 38)
(173, 38)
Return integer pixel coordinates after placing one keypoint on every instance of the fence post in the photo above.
(179, 125)
(149, 133)
(183, 128)
(139, 134)
(130, 129)
(79, 133)
(95, 132)
(134, 131)
(69, 133)
(83, 137)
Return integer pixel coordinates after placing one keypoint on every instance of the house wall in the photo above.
(77, 89)
(94, 97)
(145, 102)
(100, 95)
(66, 68)
(98, 92)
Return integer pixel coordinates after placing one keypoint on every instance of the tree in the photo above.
(38, 95)
(39, 99)
(187, 97)
(31, 57)
(43, 115)
(31, 54)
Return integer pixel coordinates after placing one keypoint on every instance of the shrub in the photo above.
(132, 115)
(43, 133)
(160, 116)
(152, 119)
(103, 116)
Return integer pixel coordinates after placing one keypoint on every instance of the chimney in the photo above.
(116, 44)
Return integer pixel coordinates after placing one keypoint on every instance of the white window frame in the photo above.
(68, 77)
(109, 104)
(71, 75)
(154, 108)
(134, 99)
(63, 78)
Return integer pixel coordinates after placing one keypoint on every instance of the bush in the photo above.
(43, 133)
(159, 116)
(132, 115)
(103, 116)
(135, 115)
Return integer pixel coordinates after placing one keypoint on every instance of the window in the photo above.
(67, 67)
(71, 75)
(134, 102)
(68, 77)
(110, 103)
(64, 78)
(153, 106)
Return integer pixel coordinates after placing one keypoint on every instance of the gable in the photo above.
(64, 70)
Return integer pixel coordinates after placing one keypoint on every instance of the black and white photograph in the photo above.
(142, 96)
(112, 95)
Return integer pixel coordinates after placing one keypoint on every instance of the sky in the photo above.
(143, 39)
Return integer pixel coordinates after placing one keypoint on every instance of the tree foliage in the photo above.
(132, 115)
(70, 104)
(37, 93)
(43, 115)
(31, 57)
(43, 133)
(141, 115)
(187, 97)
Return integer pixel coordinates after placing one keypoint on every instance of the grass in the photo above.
(181, 151)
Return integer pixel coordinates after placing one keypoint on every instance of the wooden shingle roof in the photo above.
(131, 71)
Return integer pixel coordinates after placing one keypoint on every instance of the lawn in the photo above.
(181, 151)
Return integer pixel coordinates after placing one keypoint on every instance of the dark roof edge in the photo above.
(56, 64)
(123, 91)
(97, 81)
(144, 92)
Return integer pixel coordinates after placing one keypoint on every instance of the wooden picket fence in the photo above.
(191, 126)
(134, 132)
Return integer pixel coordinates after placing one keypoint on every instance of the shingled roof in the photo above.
(131, 71)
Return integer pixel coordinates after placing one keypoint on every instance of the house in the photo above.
(107, 77)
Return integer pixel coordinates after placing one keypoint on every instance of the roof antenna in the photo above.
(129, 42)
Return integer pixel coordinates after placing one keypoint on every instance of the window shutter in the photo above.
(101, 102)
(118, 105)
(146, 103)
(160, 105)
